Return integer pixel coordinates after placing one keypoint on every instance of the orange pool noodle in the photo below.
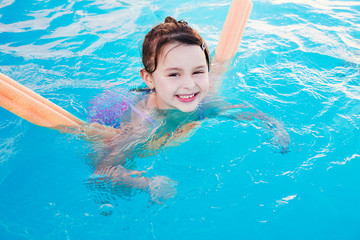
(32, 107)
(233, 30)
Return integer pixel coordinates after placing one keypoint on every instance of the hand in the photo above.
(282, 140)
(162, 188)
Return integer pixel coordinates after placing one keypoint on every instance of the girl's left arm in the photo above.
(280, 136)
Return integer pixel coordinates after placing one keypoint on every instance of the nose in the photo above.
(188, 82)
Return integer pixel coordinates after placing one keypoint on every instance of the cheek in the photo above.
(205, 83)
(163, 86)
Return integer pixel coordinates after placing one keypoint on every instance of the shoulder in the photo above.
(111, 108)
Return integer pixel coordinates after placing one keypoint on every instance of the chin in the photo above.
(188, 108)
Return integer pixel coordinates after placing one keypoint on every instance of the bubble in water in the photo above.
(106, 209)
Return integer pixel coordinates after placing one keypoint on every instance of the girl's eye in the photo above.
(199, 72)
(174, 75)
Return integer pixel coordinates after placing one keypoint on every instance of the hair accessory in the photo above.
(203, 46)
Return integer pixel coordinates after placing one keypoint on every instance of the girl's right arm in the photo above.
(160, 188)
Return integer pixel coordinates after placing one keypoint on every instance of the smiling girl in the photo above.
(176, 71)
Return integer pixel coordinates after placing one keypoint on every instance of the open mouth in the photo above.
(187, 97)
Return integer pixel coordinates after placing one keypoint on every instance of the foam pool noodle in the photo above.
(32, 107)
(233, 30)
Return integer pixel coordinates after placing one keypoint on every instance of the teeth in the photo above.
(187, 96)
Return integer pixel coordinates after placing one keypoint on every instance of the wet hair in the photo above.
(170, 31)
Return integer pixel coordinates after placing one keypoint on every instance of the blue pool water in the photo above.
(298, 62)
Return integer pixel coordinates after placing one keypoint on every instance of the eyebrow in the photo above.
(173, 69)
(201, 66)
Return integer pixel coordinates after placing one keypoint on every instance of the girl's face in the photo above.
(181, 79)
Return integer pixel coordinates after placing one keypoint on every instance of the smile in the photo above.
(187, 97)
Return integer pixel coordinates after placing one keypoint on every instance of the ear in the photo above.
(148, 79)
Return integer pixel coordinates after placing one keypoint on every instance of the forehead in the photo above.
(178, 52)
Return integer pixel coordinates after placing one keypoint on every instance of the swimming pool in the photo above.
(298, 62)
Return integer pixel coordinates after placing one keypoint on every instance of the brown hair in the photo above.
(168, 32)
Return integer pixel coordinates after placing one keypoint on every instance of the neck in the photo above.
(151, 103)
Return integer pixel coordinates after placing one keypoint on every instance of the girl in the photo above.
(180, 93)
